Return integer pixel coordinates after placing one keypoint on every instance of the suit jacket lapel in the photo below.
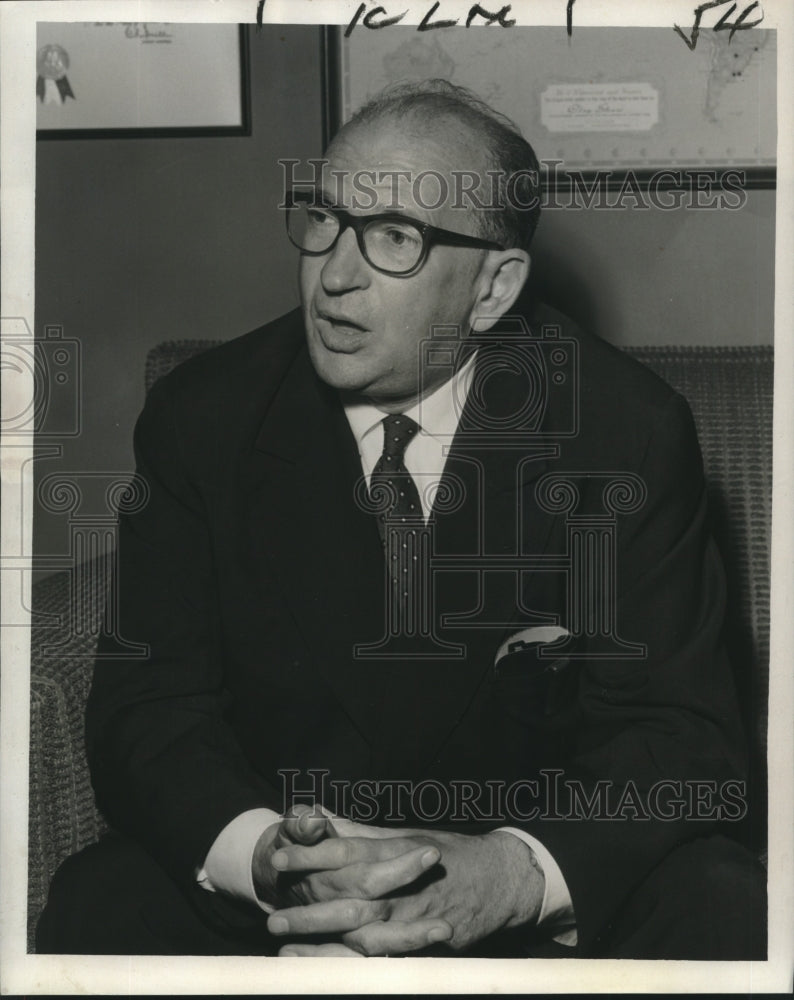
(323, 550)
(495, 469)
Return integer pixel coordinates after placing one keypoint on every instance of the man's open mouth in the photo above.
(342, 322)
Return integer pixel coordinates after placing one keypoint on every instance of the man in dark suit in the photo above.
(364, 522)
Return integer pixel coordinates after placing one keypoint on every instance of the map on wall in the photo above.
(620, 97)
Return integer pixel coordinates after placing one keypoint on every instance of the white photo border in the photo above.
(47, 974)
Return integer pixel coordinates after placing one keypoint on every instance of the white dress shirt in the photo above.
(227, 866)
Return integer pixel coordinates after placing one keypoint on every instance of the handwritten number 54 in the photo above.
(740, 24)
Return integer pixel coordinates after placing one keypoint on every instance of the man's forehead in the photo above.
(401, 156)
(398, 150)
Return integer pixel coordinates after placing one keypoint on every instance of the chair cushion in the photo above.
(730, 392)
(62, 817)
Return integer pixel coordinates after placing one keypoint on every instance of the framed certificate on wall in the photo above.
(101, 80)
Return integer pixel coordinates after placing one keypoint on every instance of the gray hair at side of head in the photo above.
(513, 220)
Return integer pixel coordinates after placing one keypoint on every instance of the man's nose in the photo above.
(344, 268)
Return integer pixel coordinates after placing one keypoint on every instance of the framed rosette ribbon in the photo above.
(119, 79)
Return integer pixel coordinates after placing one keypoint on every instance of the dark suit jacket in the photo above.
(251, 574)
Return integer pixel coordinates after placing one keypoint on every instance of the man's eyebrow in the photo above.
(324, 199)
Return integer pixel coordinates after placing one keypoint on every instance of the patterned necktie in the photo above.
(406, 542)
(391, 486)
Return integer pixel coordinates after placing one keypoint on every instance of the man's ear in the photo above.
(502, 276)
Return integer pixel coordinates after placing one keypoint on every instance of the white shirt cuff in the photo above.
(227, 867)
(556, 911)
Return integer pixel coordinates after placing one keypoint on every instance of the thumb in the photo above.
(306, 825)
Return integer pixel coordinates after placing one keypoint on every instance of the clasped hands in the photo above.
(377, 891)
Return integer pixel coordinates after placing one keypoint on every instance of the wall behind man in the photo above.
(655, 276)
(143, 240)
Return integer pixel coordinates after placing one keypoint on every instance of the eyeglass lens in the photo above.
(388, 244)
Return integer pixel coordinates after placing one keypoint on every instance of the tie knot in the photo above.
(398, 430)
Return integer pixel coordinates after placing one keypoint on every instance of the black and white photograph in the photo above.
(421, 588)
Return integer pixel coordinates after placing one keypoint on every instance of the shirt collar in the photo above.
(437, 414)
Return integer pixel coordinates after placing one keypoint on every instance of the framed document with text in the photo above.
(102, 80)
